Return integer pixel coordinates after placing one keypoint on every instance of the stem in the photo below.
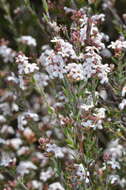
(22, 184)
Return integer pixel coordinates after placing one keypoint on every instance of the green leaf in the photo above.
(45, 5)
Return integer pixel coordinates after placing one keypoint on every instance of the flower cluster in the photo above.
(6, 53)
(27, 40)
(64, 58)
(62, 97)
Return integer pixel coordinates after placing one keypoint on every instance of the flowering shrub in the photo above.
(62, 95)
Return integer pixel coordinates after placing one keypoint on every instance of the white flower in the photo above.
(123, 182)
(98, 125)
(104, 70)
(12, 78)
(45, 175)
(86, 107)
(114, 164)
(56, 186)
(41, 79)
(7, 129)
(100, 113)
(75, 72)
(58, 151)
(27, 68)
(24, 167)
(5, 107)
(33, 116)
(91, 62)
(95, 36)
(15, 143)
(2, 177)
(55, 66)
(37, 185)
(22, 83)
(114, 149)
(22, 150)
(2, 141)
(7, 53)
(44, 57)
(28, 133)
(88, 104)
(22, 119)
(93, 65)
(100, 17)
(15, 107)
(83, 20)
(122, 104)
(42, 158)
(65, 49)
(124, 91)
(82, 173)
(6, 159)
(113, 179)
(28, 40)
(24, 67)
(83, 34)
(2, 119)
(118, 44)
(103, 94)
(88, 123)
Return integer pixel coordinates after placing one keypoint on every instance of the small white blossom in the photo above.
(2, 119)
(56, 186)
(82, 173)
(41, 79)
(15, 107)
(122, 104)
(24, 167)
(7, 53)
(12, 78)
(65, 49)
(28, 40)
(6, 159)
(24, 67)
(37, 185)
(115, 150)
(75, 72)
(99, 17)
(5, 107)
(91, 62)
(95, 36)
(103, 94)
(7, 129)
(55, 66)
(114, 164)
(15, 143)
(28, 133)
(58, 151)
(100, 113)
(113, 179)
(23, 119)
(118, 44)
(88, 104)
(124, 90)
(45, 175)
(22, 150)
(104, 70)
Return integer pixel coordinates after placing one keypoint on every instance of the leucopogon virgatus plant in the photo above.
(63, 102)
